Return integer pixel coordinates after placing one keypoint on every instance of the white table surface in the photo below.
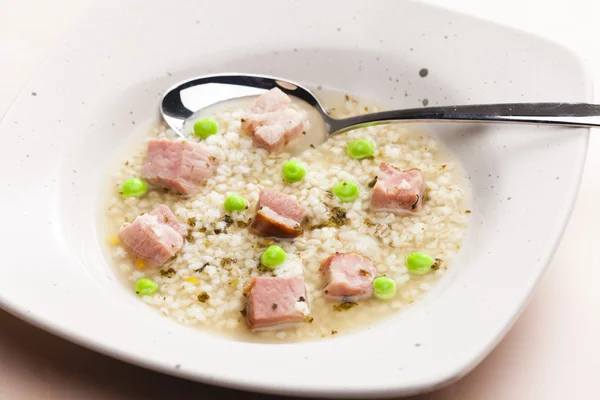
(553, 351)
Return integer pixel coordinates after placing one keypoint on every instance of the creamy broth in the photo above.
(203, 285)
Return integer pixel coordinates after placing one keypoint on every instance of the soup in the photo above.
(347, 255)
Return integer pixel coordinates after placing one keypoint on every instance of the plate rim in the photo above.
(435, 383)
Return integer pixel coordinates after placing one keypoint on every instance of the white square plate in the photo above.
(105, 79)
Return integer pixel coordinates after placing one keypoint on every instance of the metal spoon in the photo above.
(189, 97)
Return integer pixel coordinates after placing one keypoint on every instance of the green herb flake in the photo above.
(263, 269)
(228, 220)
(169, 273)
(203, 297)
(437, 264)
(372, 183)
(243, 312)
(337, 219)
(192, 222)
(349, 98)
(309, 319)
(368, 222)
(202, 268)
(190, 237)
(226, 262)
(241, 224)
(426, 194)
(344, 306)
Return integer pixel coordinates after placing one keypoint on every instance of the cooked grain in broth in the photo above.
(203, 285)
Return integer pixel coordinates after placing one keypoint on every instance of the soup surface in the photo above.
(203, 285)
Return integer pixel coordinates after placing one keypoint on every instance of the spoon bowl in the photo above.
(185, 99)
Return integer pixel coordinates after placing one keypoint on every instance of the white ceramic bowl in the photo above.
(104, 81)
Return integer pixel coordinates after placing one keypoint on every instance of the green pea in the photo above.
(273, 257)
(205, 127)
(293, 171)
(384, 288)
(345, 191)
(360, 149)
(419, 263)
(145, 287)
(234, 202)
(134, 187)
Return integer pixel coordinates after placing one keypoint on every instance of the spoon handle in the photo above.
(564, 114)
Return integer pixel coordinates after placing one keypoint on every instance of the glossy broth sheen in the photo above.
(219, 258)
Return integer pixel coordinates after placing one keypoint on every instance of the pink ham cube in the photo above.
(398, 191)
(277, 215)
(270, 101)
(349, 276)
(272, 122)
(178, 165)
(154, 237)
(276, 302)
(282, 204)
